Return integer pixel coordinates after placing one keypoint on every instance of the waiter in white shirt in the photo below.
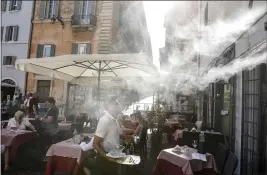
(106, 138)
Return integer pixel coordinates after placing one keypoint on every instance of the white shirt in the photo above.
(108, 129)
(87, 147)
(24, 123)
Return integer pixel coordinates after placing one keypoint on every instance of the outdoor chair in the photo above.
(230, 165)
(212, 140)
(189, 126)
(188, 138)
(221, 156)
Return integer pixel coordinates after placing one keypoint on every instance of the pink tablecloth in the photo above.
(13, 140)
(65, 153)
(186, 163)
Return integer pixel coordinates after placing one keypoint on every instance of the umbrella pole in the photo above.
(98, 83)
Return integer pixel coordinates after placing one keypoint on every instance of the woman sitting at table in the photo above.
(18, 122)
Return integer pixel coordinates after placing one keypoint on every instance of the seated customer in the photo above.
(49, 121)
(19, 122)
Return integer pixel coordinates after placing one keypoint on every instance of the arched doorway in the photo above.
(8, 87)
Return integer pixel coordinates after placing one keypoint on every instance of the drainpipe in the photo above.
(29, 44)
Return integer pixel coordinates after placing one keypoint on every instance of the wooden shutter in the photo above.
(4, 60)
(13, 60)
(2, 32)
(7, 33)
(53, 50)
(42, 10)
(56, 8)
(16, 33)
(3, 5)
(88, 48)
(74, 48)
(40, 51)
(19, 2)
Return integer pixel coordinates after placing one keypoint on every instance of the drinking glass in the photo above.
(194, 143)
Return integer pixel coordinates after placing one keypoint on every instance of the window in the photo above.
(9, 60)
(43, 90)
(45, 50)
(12, 33)
(3, 5)
(15, 5)
(81, 48)
(48, 9)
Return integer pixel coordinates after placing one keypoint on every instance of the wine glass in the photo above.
(194, 143)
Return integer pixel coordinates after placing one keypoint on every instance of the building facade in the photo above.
(15, 36)
(73, 27)
(237, 107)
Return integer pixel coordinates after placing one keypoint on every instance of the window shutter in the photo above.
(3, 5)
(56, 8)
(19, 2)
(4, 60)
(53, 50)
(16, 33)
(42, 10)
(7, 33)
(74, 48)
(206, 14)
(88, 48)
(2, 32)
(93, 7)
(13, 60)
(77, 7)
(10, 5)
(40, 51)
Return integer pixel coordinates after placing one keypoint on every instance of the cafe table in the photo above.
(65, 157)
(174, 163)
(14, 139)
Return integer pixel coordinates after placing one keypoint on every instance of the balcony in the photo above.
(80, 23)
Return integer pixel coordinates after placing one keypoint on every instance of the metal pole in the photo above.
(98, 83)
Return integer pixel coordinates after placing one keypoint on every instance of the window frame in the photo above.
(44, 50)
(14, 5)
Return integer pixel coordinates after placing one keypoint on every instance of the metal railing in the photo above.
(83, 20)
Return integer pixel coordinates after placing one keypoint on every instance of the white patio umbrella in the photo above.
(81, 68)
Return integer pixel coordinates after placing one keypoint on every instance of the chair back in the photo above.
(212, 140)
(221, 156)
(189, 126)
(230, 165)
(188, 137)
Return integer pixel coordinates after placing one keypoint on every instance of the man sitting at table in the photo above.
(106, 137)
(19, 122)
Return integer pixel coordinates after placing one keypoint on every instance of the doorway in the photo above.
(43, 90)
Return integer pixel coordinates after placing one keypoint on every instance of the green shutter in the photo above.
(53, 50)
(19, 4)
(42, 10)
(16, 33)
(4, 60)
(40, 51)
(88, 48)
(74, 48)
(56, 8)
(10, 5)
(7, 33)
(13, 60)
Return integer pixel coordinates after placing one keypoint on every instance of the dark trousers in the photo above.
(98, 165)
